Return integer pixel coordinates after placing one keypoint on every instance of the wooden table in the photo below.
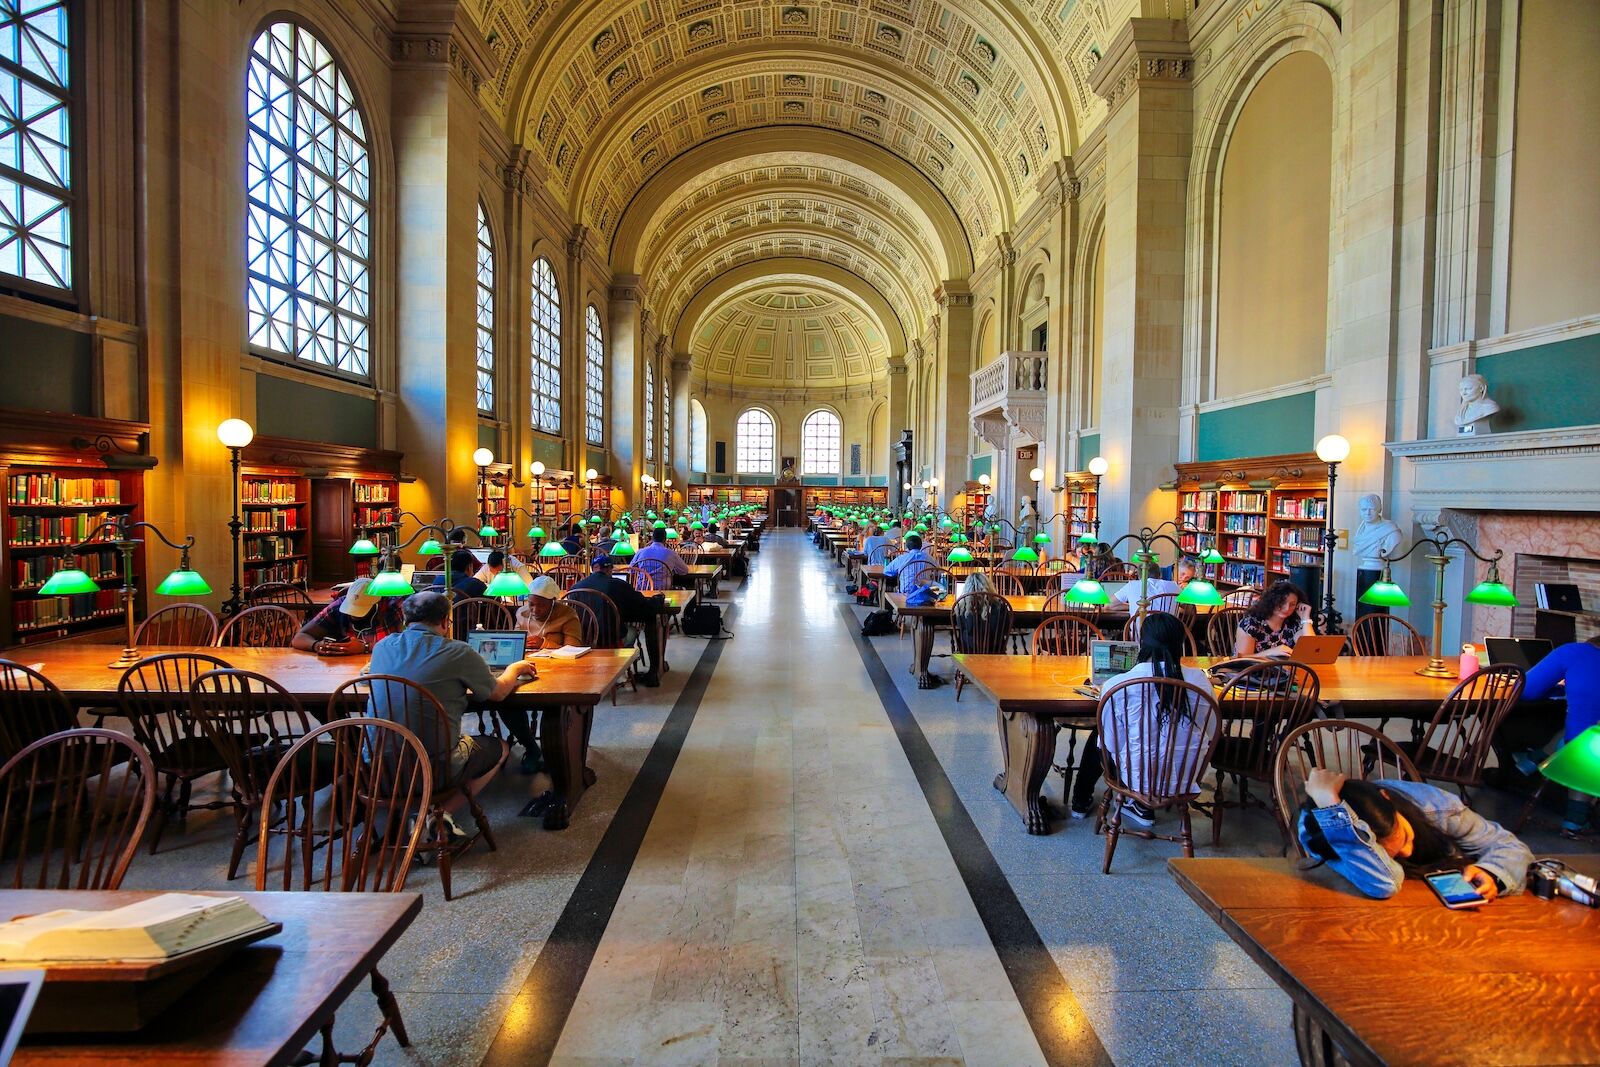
(675, 602)
(1407, 980)
(1025, 611)
(566, 692)
(701, 577)
(1034, 699)
(263, 1004)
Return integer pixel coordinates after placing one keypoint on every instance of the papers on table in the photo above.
(156, 928)
(564, 652)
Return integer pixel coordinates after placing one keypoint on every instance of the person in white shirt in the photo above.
(1163, 593)
(874, 540)
(1161, 643)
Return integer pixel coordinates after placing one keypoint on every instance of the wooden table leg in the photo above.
(1028, 744)
(564, 737)
(922, 651)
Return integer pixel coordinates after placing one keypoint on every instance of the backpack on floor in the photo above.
(877, 623)
(867, 595)
(704, 620)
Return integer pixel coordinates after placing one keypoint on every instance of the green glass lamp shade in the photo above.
(1041, 538)
(1385, 594)
(650, 514)
(1088, 591)
(1024, 554)
(1493, 594)
(947, 522)
(1212, 556)
(659, 524)
(390, 583)
(960, 555)
(1199, 591)
(183, 582)
(697, 525)
(582, 521)
(672, 535)
(1088, 538)
(623, 549)
(507, 583)
(488, 531)
(552, 549)
(431, 547)
(1576, 764)
(364, 547)
(921, 527)
(69, 581)
(995, 528)
(959, 539)
(537, 533)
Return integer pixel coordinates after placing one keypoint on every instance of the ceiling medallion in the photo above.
(796, 16)
(888, 35)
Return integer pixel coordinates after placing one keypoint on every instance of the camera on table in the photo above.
(1548, 879)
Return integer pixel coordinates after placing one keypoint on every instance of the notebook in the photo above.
(499, 648)
(1107, 659)
(1521, 652)
(156, 928)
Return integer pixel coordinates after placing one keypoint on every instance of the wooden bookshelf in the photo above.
(1265, 515)
(759, 495)
(1083, 506)
(275, 506)
(843, 496)
(976, 497)
(58, 487)
(597, 496)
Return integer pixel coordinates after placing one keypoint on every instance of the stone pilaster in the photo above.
(950, 377)
(625, 356)
(1145, 79)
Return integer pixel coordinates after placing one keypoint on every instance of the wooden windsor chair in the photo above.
(178, 626)
(1259, 706)
(980, 624)
(480, 613)
(1385, 635)
(31, 707)
(1352, 749)
(1454, 746)
(1222, 630)
(262, 626)
(1066, 635)
(610, 631)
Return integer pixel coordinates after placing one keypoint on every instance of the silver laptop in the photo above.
(1107, 659)
(499, 648)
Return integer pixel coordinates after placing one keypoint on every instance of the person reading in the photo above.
(1376, 834)
(636, 609)
(912, 555)
(352, 624)
(1279, 617)
(425, 653)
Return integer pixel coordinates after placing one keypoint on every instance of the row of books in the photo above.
(275, 519)
(369, 516)
(264, 491)
(1243, 573)
(1199, 500)
(48, 489)
(32, 531)
(1249, 524)
(1241, 501)
(60, 610)
(373, 492)
(294, 571)
(1300, 537)
(36, 570)
(268, 549)
(1244, 547)
(1300, 507)
(1200, 520)
(1282, 561)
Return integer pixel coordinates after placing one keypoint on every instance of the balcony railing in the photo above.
(1014, 374)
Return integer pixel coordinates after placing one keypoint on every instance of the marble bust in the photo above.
(1475, 413)
(1375, 535)
(1027, 517)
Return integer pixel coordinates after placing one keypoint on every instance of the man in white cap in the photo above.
(352, 624)
(550, 622)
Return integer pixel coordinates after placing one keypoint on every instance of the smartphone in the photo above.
(1453, 889)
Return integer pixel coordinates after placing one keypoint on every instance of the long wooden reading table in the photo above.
(566, 692)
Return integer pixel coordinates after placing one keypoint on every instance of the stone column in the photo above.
(951, 380)
(574, 332)
(625, 357)
(682, 461)
(1145, 79)
(438, 67)
(898, 417)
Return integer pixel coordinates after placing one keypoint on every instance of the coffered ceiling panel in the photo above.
(792, 336)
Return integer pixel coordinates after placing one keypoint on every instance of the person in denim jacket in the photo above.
(1376, 833)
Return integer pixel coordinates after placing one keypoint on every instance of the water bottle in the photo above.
(1469, 661)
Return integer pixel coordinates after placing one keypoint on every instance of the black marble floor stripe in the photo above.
(1059, 1022)
(537, 1015)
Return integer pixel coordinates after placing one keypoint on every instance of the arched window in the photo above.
(485, 315)
(546, 348)
(697, 436)
(594, 378)
(307, 235)
(820, 437)
(754, 442)
(36, 144)
(666, 422)
(649, 410)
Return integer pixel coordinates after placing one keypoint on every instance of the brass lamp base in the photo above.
(1438, 668)
(129, 657)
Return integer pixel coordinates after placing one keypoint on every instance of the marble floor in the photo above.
(793, 856)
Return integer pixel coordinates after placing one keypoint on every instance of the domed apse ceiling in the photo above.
(787, 338)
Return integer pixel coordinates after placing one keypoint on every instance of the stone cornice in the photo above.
(1520, 443)
(430, 32)
(525, 173)
(1144, 52)
(953, 293)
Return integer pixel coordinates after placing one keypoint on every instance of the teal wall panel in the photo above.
(1521, 383)
(1268, 428)
(286, 408)
(879, 479)
(548, 452)
(980, 465)
(487, 437)
(599, 459)
(1088, 448)
(45, 368)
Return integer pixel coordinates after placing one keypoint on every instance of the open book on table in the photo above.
(157, 928)
(564, 652)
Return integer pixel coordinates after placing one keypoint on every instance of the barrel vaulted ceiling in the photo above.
(890, 139)
(791, 336)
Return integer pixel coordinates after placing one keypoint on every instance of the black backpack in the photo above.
(705, 620)
(877, 624)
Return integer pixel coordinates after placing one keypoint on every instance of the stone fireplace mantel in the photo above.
(1530, 470)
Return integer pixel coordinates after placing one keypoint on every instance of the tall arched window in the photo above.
(666, 421)
(307, 235)
(753, 436)
(820, 437)
(698, 449)
(649, 411)
(546, 348)
(594, 378)
(36, 143)
(485, 315)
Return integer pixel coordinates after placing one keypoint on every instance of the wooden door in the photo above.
(332, 519)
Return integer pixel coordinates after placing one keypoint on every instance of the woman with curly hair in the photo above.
(1279, 617)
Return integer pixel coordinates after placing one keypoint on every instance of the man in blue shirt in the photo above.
(425, 653)
(912, 554)
(662, 553)
(1575, 669)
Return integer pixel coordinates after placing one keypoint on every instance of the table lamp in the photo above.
(1088, 591)
(1576, 764)
(507, 583)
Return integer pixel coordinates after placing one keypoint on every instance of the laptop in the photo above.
(1521, 652)
(1318, 649)
(18, 992)
(499, 648)
(1107, 659)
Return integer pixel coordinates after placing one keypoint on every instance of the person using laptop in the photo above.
(425, 653)
(1279, 617)
(1574, 667)
(1161, 647)
(352, 624)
